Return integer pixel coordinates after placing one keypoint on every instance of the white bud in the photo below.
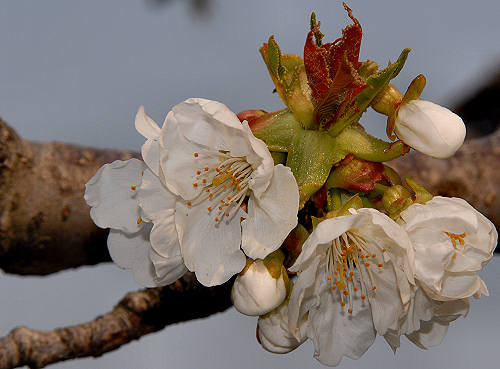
(256, 292)
(430, 128)
(274, 334)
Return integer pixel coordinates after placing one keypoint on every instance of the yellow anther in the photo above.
(188, 203)
(139, 220)
(349, 311)
(195, 154)
(133, 188)
(363, 297)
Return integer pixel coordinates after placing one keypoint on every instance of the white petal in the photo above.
(145, 125)
(180, 165)
(303, 297)
(112, 197)
(151, 154)
(430, 128)
(335, 333)
(210, 249)
(168, 270)
(207, 123)
(260, 158)
(271, 216)
(317, 243)
(132, 252)
(431, 334)
(386, 304)
(153, 197)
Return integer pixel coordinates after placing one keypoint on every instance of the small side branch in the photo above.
(136, 315)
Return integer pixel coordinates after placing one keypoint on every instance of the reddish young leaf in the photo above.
(316, 66)
(349, 45)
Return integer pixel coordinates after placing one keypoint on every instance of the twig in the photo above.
(137, 314)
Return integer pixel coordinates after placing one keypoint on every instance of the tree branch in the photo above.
(137, 314)
(44, 221)
(45, 225)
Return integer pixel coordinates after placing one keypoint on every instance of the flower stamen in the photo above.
(348, 267)
(225, 183)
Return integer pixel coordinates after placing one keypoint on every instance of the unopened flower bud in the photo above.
(430, 128)
(274, 334)
(260, 288)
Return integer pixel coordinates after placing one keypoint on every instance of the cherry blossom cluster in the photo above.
(325, 241)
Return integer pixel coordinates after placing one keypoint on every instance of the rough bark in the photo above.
(44, 221)
(45, 225)
(136, 315)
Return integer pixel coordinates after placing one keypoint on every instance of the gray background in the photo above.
(76, 71)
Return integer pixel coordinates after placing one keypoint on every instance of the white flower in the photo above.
(274, 334)
(112, 194)
(354, 277)
(427, 320)
(452, 241)
(116, 193)
(256, 292)
(213, 162)
(430, 128)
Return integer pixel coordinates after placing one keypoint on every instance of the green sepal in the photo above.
(364, 146)
(274, 263)
(376, 82)
(354, 202)
(274, 59)
(334, 199)
(290, 79)
(311, 156)
(278, 157)
(395, 200)
(421, 194)
(276, 129)
(392, 176)
(315, 221)
(293, 244)
(414, 89)
(298, 96)
(366, 202)
(367, 69)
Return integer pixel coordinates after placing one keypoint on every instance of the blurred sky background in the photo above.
(76, 71)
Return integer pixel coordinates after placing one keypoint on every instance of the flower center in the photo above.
(224, 184)
(456, 238)
(349, 267)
